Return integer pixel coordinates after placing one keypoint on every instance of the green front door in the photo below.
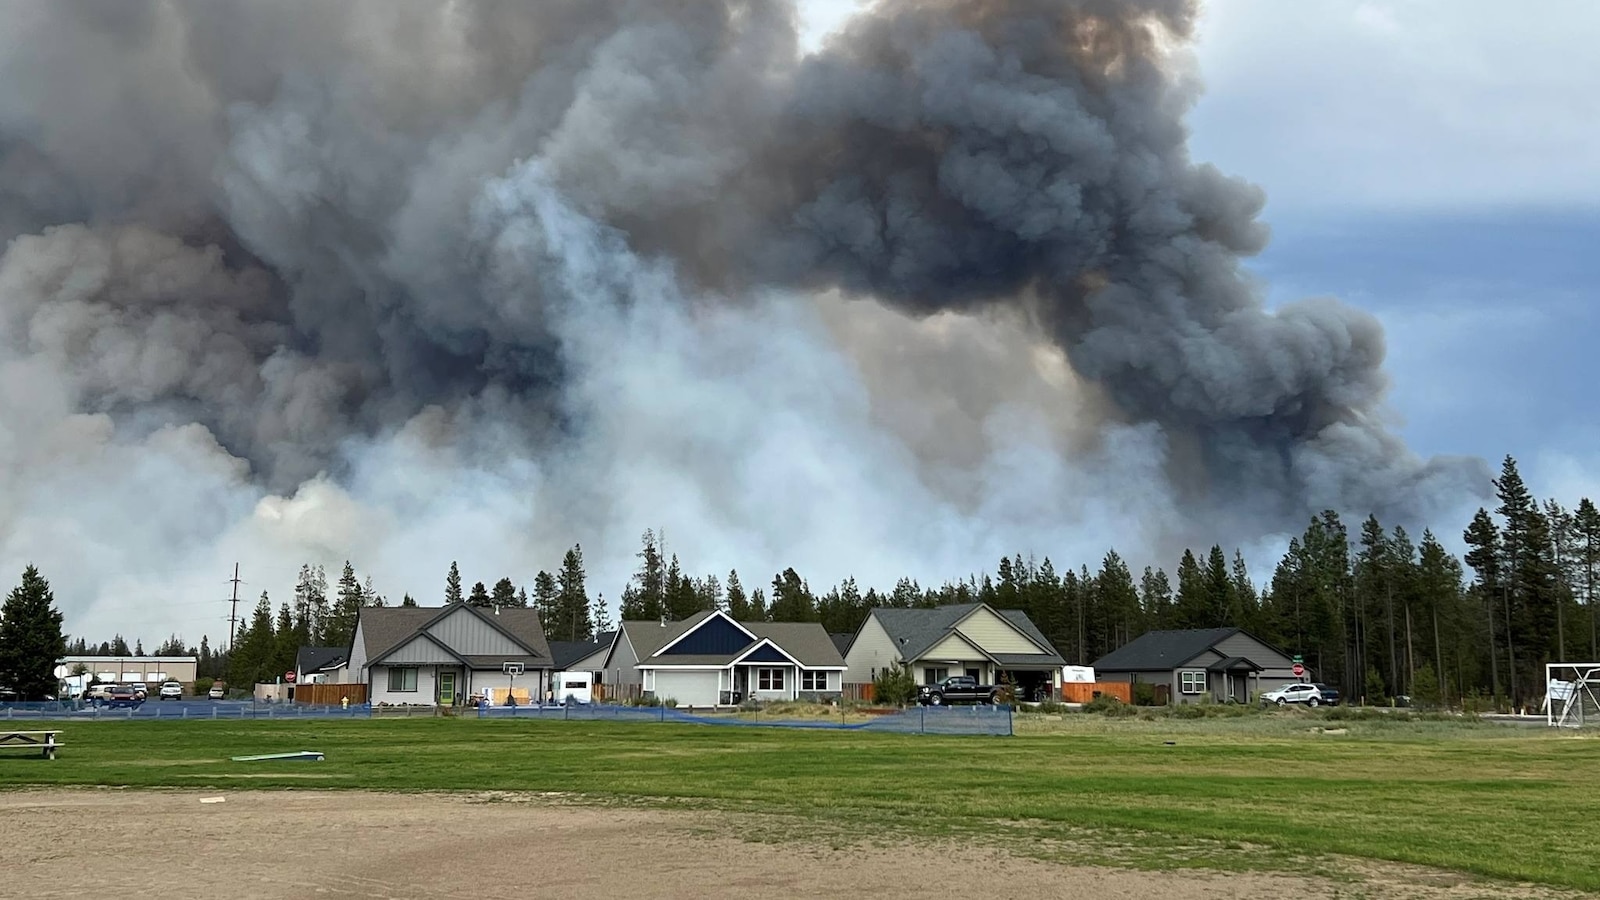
(447, 689)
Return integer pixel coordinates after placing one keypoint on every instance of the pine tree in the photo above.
(682, 597)
(369, 597)
(504, 594)
(758, 606)
(1483, 539)
(479, 596)
(408, 601)
(452, 585)
(1194, 603)
(601, 616)
(1247, 602)
(1587, 524)
(251, 661)
(1119, 603)
(791, 599)
(648, 597)
(738, 603)
(285, 646)
(138, 647)
(1220, 602)
(573, 598)
(546, 599)
(1155, 595)
(119, 647)
(340, 626)
(31, 642)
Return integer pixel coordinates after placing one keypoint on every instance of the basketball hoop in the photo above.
(512, 669)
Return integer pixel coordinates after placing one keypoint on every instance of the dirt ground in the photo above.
(126, 843)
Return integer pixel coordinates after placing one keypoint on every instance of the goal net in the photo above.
(1572, 694)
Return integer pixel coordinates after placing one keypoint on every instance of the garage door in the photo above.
(697, 688)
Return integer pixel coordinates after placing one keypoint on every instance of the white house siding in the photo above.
(691, 687)
(995, 634)
(427, 686)
(791, 682)
(535, 681)
(871, 653)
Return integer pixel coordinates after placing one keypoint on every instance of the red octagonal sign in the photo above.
(1298, 670)
(289, 676)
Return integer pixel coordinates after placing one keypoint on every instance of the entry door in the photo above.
(447, 689)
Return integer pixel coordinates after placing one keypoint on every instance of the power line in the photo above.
(233, 610)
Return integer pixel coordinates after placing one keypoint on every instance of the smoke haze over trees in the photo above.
(371, 279)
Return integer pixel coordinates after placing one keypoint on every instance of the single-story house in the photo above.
(444, 655)
(711, 660)
(995, 646)
(1221, 663)
(319, 665)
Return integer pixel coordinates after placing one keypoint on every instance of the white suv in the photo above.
(1309, 694)
(172, 690)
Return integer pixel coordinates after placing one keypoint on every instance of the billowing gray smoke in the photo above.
(382, 279)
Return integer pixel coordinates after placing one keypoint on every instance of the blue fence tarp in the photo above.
(986, 720)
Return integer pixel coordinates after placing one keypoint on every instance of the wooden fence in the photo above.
(329, 694)
(1084, 691)
(858, 692)
(617, 693)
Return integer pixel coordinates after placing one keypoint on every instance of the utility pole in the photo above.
(233, 610)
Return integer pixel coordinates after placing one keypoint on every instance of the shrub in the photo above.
(1144, 694)
(202, 686)
(895, 686)
(1107, 705)
(1189, 711)
(670, 703)
(645, 700)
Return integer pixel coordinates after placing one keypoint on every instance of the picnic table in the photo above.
(46, 741)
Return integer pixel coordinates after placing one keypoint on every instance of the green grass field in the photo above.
(1256, 792)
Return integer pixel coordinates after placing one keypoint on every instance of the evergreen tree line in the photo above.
(1378, 613)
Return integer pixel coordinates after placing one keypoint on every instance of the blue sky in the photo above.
(1436, 162)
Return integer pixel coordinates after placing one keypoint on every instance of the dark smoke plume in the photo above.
(293, 237)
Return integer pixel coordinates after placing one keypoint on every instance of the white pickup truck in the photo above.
(1303, 692)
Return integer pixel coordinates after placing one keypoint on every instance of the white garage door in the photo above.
(697, 688)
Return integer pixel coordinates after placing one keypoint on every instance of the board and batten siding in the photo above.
(954, 648)
(871, 653)
(621, 669)
(420, 651)
(358, 655)
(468, 635)
(995, 634)
(698, 687)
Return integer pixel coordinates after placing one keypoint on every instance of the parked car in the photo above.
(171, 690)
(1302, 692)
(97, 693)
(122, 695)
(217, 692)
(957, 689)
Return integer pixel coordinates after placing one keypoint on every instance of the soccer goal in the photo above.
(1571, 692)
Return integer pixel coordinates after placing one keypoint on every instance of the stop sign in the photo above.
(289, 676)
(1298, 670)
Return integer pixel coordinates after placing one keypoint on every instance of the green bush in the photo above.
(1144, 694)
(895, 686)
(202, 686)
(1107, 705)
(1189, 711)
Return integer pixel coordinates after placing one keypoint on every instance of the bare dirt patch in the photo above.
(295, 844)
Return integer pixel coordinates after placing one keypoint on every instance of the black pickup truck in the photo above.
(957, 689)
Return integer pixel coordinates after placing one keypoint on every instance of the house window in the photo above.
(1192, 682)
(769, 679)
(813, 681)
(402, 680)
(934, 674)
(649, 680)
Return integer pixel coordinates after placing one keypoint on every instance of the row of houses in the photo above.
(457, 654)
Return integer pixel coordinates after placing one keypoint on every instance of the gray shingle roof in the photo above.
(385, 627)
(842, 642)
(1158, 651)
(807, 642)
(920, 629)
(315, 659)
(565, 653)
